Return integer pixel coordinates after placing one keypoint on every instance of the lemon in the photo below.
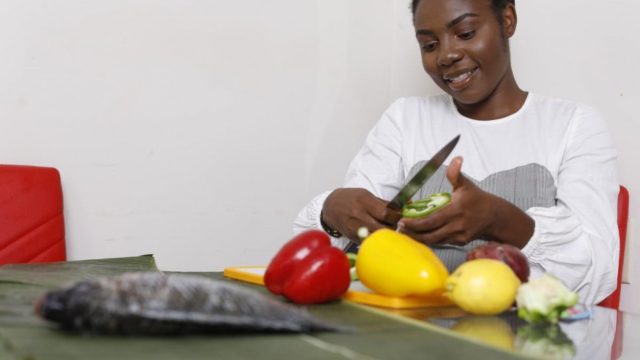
(490, 330)
(483, 286)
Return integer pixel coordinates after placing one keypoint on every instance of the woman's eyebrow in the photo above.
(459, 19)
(449, 25)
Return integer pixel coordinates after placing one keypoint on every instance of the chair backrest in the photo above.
(613, 300)
(31, 218)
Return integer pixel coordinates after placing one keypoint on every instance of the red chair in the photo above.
(31, 218)
(613, 300)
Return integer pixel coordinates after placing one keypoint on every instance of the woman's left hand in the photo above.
(471, 214)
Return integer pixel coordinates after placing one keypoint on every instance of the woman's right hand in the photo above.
(348, 209)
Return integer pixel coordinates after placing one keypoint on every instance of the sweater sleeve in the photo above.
(377, 168)
(309, 218)
(577, 239)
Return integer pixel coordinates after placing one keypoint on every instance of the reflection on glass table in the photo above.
(599, 336)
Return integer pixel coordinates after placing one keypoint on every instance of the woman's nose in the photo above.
(449, 54)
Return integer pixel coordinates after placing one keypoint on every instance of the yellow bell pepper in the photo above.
(393, 264)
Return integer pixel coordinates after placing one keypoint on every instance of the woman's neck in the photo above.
(506, 99)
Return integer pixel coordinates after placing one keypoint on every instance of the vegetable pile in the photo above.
(494, 277)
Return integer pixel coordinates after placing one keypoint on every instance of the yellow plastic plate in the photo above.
(357, 291)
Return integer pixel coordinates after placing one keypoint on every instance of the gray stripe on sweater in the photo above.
(524, 186)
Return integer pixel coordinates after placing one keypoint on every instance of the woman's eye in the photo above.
(429, 46)
(466, 35)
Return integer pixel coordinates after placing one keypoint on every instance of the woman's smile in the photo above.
(459, 80)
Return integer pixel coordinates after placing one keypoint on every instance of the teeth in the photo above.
(460, 77)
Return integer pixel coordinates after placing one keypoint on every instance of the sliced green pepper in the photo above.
(426, 206)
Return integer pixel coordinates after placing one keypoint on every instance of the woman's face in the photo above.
(464, 47)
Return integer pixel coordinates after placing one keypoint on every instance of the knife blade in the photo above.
(421, 177)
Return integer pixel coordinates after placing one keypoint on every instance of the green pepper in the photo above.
(426, 206)
(352, 263)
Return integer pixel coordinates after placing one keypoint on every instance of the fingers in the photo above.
(377, 209)
(372, 224)
(428, 223)
(445, 234)
(428, 238)
(389, 217)
(367, 210)
(428, 229)
(454, 172)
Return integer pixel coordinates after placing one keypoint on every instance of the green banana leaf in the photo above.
(378, 335)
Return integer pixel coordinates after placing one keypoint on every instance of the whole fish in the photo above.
(155, 303)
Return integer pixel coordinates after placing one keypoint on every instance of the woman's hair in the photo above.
(497, 5)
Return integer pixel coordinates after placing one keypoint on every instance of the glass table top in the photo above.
(604, 334)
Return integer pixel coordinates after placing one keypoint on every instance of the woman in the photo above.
(539, 172)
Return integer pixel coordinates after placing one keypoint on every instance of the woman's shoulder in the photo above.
(416, 112)
(570, 114)
(560, 105)
(427, 101)
(421, 107)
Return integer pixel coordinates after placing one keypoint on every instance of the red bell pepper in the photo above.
(308, 270)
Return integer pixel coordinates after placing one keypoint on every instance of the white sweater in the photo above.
(553, 158)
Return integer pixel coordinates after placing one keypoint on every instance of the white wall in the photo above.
(196, 129)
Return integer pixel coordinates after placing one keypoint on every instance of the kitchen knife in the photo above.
(415, 183)
(422, 176)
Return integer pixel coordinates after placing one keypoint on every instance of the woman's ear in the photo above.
(509, 20)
